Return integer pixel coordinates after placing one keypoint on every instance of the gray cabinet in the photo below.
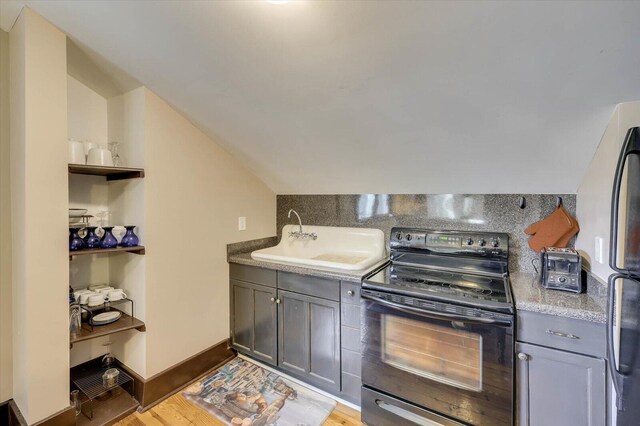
(309, 338)
(254, 320)
(561, 374)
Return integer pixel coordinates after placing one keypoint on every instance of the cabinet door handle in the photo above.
(273, 299)
(523, 379)
(560, 334)
(350, 292)
(278, 301)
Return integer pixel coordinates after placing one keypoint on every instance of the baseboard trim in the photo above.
(64, 417)
(10, 415)
(151, 391)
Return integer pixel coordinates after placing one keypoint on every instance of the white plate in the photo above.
(106, 318)
(77, 212)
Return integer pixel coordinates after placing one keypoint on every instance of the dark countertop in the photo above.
(530, 296)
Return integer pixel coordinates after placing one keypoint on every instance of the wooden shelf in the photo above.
(135, 250)
(111, 173)
(126, 322)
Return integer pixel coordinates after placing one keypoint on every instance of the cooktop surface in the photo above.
(461, 287)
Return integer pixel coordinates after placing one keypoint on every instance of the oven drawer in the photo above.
(584, 337)
(382, 410)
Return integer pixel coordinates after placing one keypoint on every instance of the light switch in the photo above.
(599, 250)
(242, 223)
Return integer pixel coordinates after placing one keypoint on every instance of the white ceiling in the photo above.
(397, 97)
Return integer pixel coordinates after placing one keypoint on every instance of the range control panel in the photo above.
(490, 244)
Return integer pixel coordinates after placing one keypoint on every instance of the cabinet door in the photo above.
(254, 320)
(557, 388)
(309, 343)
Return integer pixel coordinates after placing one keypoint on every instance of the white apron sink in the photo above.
(351, 249)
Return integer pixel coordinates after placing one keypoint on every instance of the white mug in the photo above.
(95, 300)
(77, 293)
(83, 298)
(116, 294)
(100, 157)
(94, 287)
(76, 153)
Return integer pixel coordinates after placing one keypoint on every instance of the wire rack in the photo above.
(91, 386)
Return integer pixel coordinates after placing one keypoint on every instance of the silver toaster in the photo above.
(562, 269)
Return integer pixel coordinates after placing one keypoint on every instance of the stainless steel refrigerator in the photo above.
(623, 328)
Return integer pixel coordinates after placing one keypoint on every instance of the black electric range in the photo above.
(438, 331)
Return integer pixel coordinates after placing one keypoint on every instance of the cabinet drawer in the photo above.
(252, 274)
(350, 315)
(350, 293)
(351, 387)
(351, 338)
(351, 362)
(311, 286)
(568, 334)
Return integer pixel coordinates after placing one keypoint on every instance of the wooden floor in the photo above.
(176, 410)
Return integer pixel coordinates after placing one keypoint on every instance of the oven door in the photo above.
(453, 361)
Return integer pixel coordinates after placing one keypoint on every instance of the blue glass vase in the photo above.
(130, 239)
(91, 240)
(75, 242)
(108, 240)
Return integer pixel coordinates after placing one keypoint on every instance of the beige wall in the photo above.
(87, 113)
(593, 209)
(194, 193)
(40, 266)
(5, 226)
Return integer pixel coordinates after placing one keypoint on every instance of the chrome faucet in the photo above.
(299, 234)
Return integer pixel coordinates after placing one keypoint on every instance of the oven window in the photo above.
(441, 353)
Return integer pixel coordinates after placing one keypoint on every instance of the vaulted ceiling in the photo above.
(381, 96)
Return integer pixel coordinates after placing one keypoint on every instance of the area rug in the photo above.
(244, 394)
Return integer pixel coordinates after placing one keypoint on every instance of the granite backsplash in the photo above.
(472, 212)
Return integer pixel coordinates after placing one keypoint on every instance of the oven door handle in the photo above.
(437, 315)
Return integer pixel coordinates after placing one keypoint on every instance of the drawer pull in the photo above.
(350, 293)
(560, 334)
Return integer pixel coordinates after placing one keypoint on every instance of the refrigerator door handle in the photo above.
(629, 148)
(616, 375)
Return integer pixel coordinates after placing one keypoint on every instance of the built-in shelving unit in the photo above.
(135, 250)
(111, 173)
(126, 322)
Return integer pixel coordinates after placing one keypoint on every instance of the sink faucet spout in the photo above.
(298, 216)
(300, 235)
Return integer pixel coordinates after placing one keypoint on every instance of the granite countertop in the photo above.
(530, 296)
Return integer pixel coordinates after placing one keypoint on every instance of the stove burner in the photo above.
(465, 285)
